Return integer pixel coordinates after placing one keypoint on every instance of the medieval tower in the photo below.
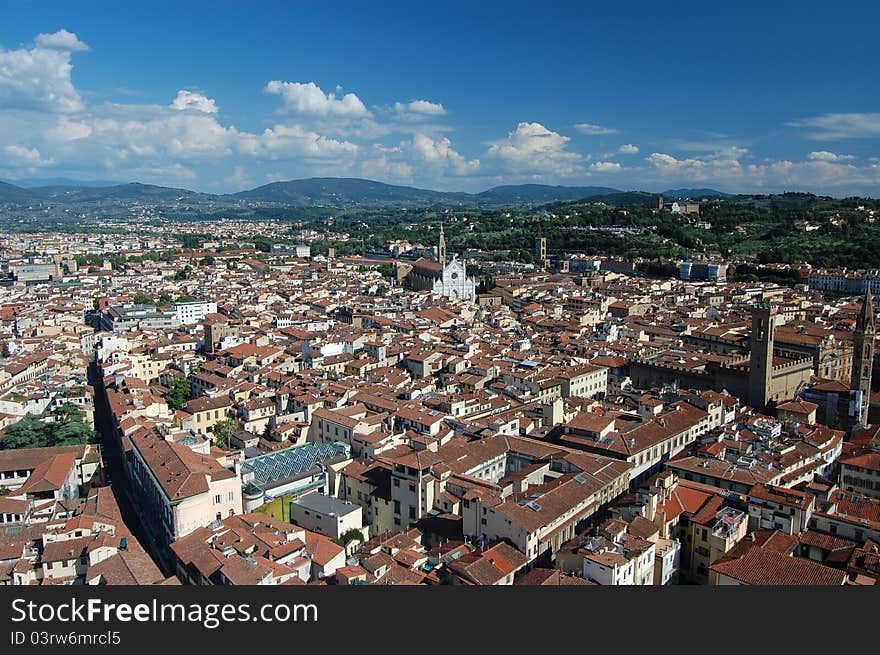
(863, 358)
(761, 360)
(441, 247)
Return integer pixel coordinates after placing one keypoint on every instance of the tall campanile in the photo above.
(441, 247)
(761, 360)
(863, 357)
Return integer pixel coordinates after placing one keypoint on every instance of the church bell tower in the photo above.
(441, 247)
(863, 357)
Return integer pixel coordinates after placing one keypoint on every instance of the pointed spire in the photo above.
(865, 321)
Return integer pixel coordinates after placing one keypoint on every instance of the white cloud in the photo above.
(665, 162)
(160, 132)
(384, 167)
(440, 152)
(594, 130)
(161, 173)
(606, 167)
(419, 109)
(531, 147)
(308, 99)
(834, 127)
(824, 155)
(239, 179)
(824, 173)
(20, 155)
(628, 149)
(194, 101)
(284, 142)
(666, 167)
(67, 129)
(38, 79)
(61, 40)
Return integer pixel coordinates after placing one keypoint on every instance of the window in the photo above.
(412, 512)
(217, 499)
(397, 509)
(230, 496)
(396, 482)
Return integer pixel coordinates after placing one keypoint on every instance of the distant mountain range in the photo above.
(693, 194)
(326, 191)
(531, 193)
(344, 191)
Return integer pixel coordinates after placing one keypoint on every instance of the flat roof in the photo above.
(318, 502)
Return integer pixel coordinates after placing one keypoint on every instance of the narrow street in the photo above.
(114, 464)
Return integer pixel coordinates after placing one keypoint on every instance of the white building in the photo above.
(326, 515)
(454, 282)
(193, 312)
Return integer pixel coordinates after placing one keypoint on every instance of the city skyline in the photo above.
(449, 98)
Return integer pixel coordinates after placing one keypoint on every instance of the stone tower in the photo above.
(441, 247)
(863, 357)
(541, 253)
(761, 359)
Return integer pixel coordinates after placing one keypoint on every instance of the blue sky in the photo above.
(223, 96)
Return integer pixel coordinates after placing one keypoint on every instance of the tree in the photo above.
(179, 393)
(347, 537)
(70, 412)
(486, 284)
(207, 260)
(72, 432)
(31, 432)
(141, 298)
(222, 430)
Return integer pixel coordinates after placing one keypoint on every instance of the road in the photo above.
(114, 464)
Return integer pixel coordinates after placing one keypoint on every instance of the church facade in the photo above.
(454, 282)
(449, 280)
